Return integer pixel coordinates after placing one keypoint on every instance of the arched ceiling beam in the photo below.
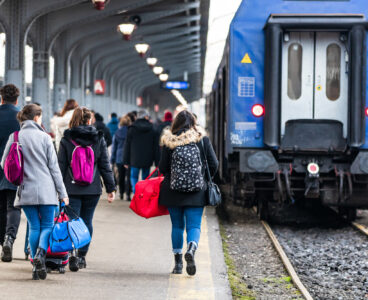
(79, 15)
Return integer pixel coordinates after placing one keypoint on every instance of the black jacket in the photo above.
(105, 130)
(8, 124)
(162, 126)
(141, 145)
(169, 197)
(86, 136)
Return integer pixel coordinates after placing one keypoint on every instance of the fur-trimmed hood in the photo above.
(190, 136)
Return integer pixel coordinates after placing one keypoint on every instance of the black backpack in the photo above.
(186, 169)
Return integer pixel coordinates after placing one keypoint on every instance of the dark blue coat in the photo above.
(8, 124)
(118, 142)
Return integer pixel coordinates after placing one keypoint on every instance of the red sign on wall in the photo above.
(157, 108)
(99, 87)
(139, 101)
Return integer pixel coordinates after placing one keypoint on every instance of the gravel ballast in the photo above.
(331, 263)
(255, 258)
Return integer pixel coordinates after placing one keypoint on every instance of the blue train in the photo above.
(288, 111)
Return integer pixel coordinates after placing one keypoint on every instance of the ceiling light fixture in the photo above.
(100, 4)
(126, 29)
(158, 70)
(180, 97)
(142, 49)
(163, 77)
(152, 61)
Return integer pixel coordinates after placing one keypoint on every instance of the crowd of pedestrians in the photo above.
(130, 144)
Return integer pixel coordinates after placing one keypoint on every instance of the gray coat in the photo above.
(42, 183)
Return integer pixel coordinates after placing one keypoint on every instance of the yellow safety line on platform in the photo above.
(201, 285)
(360, 227)
(289, 267)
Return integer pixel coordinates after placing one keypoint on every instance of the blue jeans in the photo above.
(181, 218)
(134, 175)
(84, 206)
(41, 220)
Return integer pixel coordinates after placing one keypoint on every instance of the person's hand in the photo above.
(111, 197)
(126, 166)
(66, 201)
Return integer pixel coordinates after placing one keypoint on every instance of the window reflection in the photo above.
(333, 72)
(295, 61)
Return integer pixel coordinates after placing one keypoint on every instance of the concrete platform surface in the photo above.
(130, 258)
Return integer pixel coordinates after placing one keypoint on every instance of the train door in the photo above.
(297, 77)
(314, 77)
(331, 78)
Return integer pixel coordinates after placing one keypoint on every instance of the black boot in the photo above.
(178, 269)
(7, 253)
(35, 273)
(73, 262)
(82, 260)
(189, 258)
(39, 261)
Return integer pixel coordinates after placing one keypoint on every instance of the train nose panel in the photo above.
(314, 135)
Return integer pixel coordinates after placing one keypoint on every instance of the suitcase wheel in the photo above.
(61, 270)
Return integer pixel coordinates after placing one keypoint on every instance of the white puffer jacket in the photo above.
(61, 124)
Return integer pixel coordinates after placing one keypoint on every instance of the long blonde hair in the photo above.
(125, 121)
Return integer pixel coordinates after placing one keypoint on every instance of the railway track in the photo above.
(334, 273)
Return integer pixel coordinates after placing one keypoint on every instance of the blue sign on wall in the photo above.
(176, 85)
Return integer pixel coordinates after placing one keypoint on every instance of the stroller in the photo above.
(54, 261)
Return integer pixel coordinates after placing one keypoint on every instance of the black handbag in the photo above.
(213, 193)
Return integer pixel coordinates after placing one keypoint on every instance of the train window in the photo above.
(295, 62)
(333, 72)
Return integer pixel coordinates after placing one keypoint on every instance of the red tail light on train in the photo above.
(366, 112)
(258, 110)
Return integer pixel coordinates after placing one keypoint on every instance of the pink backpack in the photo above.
(82, 164)
(14, 167)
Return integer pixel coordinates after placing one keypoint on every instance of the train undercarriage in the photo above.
(261, 181)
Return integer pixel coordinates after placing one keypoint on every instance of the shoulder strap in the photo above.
(209, 178)
(74, 143)
(16, 136)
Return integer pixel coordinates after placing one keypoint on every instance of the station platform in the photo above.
(129, 258)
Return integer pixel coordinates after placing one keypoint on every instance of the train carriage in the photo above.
(288, 111)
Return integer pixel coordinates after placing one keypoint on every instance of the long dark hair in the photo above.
(183, 121)
(81, 116)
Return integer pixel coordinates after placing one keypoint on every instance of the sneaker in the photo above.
(82, 262)
(7, 252)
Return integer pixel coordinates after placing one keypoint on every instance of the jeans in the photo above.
(41, 220)
(84, 206)
(123, 172)
(9, 215)
(134, 175)
(181, 218)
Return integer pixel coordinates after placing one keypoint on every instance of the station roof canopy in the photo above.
(175, 30)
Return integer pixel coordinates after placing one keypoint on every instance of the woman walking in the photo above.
(118, 142)
(84, 198)
(61, 123)
(42, 184)
(183, 191)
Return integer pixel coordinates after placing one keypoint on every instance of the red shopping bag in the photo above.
(145, 200)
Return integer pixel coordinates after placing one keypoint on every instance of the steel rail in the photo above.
(289, 267)
(360, 227)
(285, 260)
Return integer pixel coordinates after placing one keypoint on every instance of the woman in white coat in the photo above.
(62, 123)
